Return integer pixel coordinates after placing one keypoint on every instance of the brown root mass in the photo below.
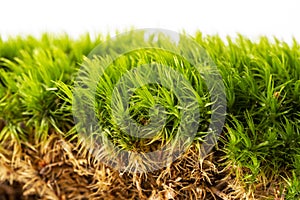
(61, 170)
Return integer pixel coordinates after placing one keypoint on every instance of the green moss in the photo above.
(262, 129)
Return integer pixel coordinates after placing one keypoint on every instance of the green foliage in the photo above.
(262, 80)
(293, 188)
(29, 68)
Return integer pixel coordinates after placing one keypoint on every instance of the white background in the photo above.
(224, 17)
